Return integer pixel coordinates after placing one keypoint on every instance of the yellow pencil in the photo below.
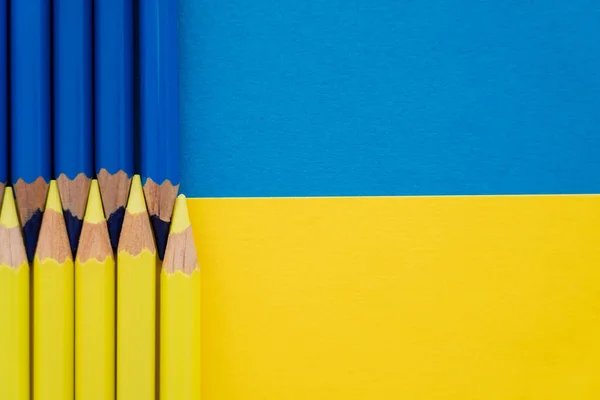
(53, 306)
(14, 305)
(94, 306)
(180, 311)
(136, 305)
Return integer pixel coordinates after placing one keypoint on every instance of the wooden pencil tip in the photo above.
(8, 214)
(161, 233)
(94, 213)
(181, 219)
(180, 254)
(74, 226)
(53, 199)
(136, 203)
(12, 249)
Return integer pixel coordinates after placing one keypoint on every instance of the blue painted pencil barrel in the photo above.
(3, 95)
(73, 112)
(114, 85)
(113, 24)
(159, 112)
(30, 90)
(159, 91)
(30, 112)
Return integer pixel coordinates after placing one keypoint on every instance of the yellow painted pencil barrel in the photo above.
(53, 306)
(136, 305)
(180, 312)
(94, 306)
(14, 305)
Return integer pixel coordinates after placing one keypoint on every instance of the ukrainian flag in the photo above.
(395, 199)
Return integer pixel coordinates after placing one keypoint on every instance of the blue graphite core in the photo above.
(31, 232)
(161, 233)
(74, 226)
(115, 222)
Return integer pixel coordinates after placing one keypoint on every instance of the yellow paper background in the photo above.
(400, 297)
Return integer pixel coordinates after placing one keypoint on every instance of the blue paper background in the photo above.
(359, 98)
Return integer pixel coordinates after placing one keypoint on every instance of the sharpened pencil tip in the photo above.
(136, 203)
(8, 215)
(53, 199)
(31, 232)
(74, 226)
(94, 213)
(161, 233)
(115, 223)
(180, 219)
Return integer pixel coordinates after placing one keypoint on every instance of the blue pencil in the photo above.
(159, 112)
(114, 108)
(30, 112)
(73, 122)
(3, 98)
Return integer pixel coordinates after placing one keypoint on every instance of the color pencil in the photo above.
(14, 305)
(3, 98)
(73, 111)
(53, 306)
(94, 306)
(30, 112)
(113, 24)
(159, 112)
(180, 311)
(136, 305)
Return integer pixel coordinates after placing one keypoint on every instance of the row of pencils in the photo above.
(99, 326)
(79, 79)
(99, 278)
